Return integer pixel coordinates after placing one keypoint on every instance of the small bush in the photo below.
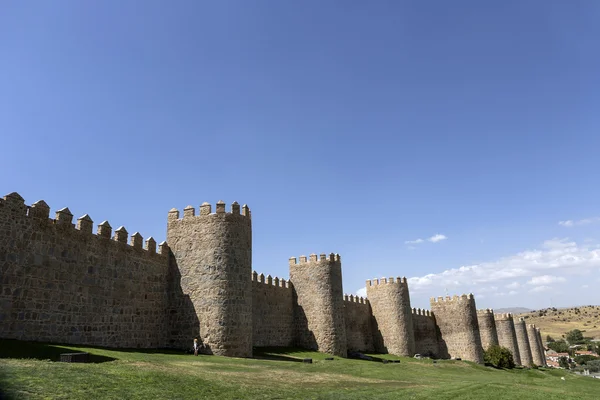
(499, 357)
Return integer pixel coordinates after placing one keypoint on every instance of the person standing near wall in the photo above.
(195, 346)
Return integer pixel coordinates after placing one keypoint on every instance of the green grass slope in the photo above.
(30, 371)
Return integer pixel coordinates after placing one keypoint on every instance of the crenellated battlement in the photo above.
(485, 311)
(464, 297)
(386, 281)
(314, 258)
(39, 213)
(503, 316)
(205, 210)
(422, 312)
(271, 281)
(356, 299)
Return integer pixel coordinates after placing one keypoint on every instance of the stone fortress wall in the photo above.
(507, 337)
(390, 302)
(532, 336)
(523, 343)
(359, 324)
(426, 333)
(60, 282)
(319, 311)
(487, 328)
(459, 330)
(272, 312)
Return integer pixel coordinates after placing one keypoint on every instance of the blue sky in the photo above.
(346, 126)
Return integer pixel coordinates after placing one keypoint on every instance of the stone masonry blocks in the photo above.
(525, 352)
(392, 313)
(507, 336)
(319, 307)
(534, 344)
(459, 330)
(62, 283)
(487, 328)
(212, 252)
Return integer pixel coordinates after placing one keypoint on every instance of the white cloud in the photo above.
(514, 285)
(362, 292)
(555, 258)
(512, 292)
(585, 286)
(545, 280)
(433, 239)
(570, 223)
(542, 288)
(437, 238)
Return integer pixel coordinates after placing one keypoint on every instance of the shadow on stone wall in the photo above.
(442, 346)
(182, 320)
(378, 343)
(303, 336)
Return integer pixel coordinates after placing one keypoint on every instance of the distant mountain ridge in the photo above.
(514, 310)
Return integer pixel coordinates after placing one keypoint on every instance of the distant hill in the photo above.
(556, 322)
(514, 310)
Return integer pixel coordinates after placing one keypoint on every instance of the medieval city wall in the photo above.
(358, 319)
(525, 350)
(425, 331)
(319, 303)
(62, 283)
(487, 328)
(272, 312)
(507, 337)
(541, 343)
(392, 314)
(535, 345)
(459, 330)
(212, 255)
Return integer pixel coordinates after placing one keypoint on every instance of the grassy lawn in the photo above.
(30, 370)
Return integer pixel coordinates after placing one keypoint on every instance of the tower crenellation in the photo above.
(85, 224)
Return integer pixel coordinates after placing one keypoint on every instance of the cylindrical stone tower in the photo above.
(542, 351)
(507, 337)
(525, 350)
(534, 343)
(390, 303)
(487, 328)
(212, 258)
(319, 314)
(459, 330)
